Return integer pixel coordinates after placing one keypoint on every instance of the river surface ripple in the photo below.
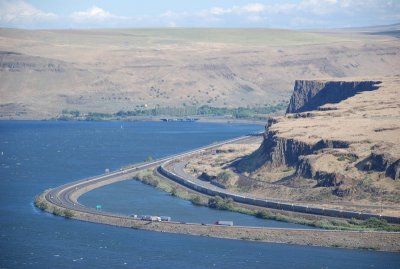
(35, 156)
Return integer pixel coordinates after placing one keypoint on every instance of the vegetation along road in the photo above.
(63, 201)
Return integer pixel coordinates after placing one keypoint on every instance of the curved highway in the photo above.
(174, 171)
(66, 196)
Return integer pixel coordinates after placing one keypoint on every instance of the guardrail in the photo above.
(272, 204)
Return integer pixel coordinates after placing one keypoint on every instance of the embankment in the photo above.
(286, 206)
(382, 241)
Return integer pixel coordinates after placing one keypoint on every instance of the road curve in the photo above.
(66, 196)
(174, 171)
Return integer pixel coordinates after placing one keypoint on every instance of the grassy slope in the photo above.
(107, 70)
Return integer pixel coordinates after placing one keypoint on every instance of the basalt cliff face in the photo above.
(310, 95)
(350, 133)
(43, 73)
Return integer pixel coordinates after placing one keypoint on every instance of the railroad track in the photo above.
(62, 195)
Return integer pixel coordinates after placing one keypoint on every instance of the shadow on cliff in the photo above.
(307, 95)
(310, 95)
(251, 162)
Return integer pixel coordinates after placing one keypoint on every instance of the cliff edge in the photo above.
(310, 94)
(342, 135)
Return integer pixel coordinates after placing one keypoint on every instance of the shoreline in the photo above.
(62, 201)
(221, 120)
(377, 241)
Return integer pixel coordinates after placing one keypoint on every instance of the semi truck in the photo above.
(224, 222)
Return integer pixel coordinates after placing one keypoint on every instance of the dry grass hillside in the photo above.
(363, 166)
(43, 72)
(342, 155)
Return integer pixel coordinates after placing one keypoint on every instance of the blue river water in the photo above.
(35, 156)
(140, 199)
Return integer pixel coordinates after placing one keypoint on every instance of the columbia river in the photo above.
(40, 155)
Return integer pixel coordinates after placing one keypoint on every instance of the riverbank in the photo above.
(157, 180)
(380, 241)
(150, 119)
(279, 184)
(62, 201)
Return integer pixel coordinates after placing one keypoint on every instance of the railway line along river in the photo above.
(42, 155)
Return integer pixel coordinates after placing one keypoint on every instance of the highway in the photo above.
(66, 196)
(175, 171)
(178, 168)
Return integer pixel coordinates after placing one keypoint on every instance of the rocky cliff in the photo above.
(381, 160)
(334, 146)
(276, 151)
(310, 95)
(45, 72)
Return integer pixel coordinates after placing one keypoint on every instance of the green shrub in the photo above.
(352, 158)
(376, 224)
(220, 203)
(224, 176)
(196, 200)
(263, 214)
(174, 191)
(354, 221)
(287, 169)
(324, 224)
(57, 211)
(68, 214)
(41, 205)
(147, 178)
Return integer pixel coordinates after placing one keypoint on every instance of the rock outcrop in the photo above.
(330, 145)
(381, 160)
(277, 151)
(310, 95)
(274, 152)
(306, 168)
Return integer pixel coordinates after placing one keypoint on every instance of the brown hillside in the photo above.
(43, 72)
(348, 151)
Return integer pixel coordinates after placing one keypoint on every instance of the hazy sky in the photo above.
(197, 13)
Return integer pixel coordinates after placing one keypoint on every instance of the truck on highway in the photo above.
(165, 218)
(224, 222)
(150, 218)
